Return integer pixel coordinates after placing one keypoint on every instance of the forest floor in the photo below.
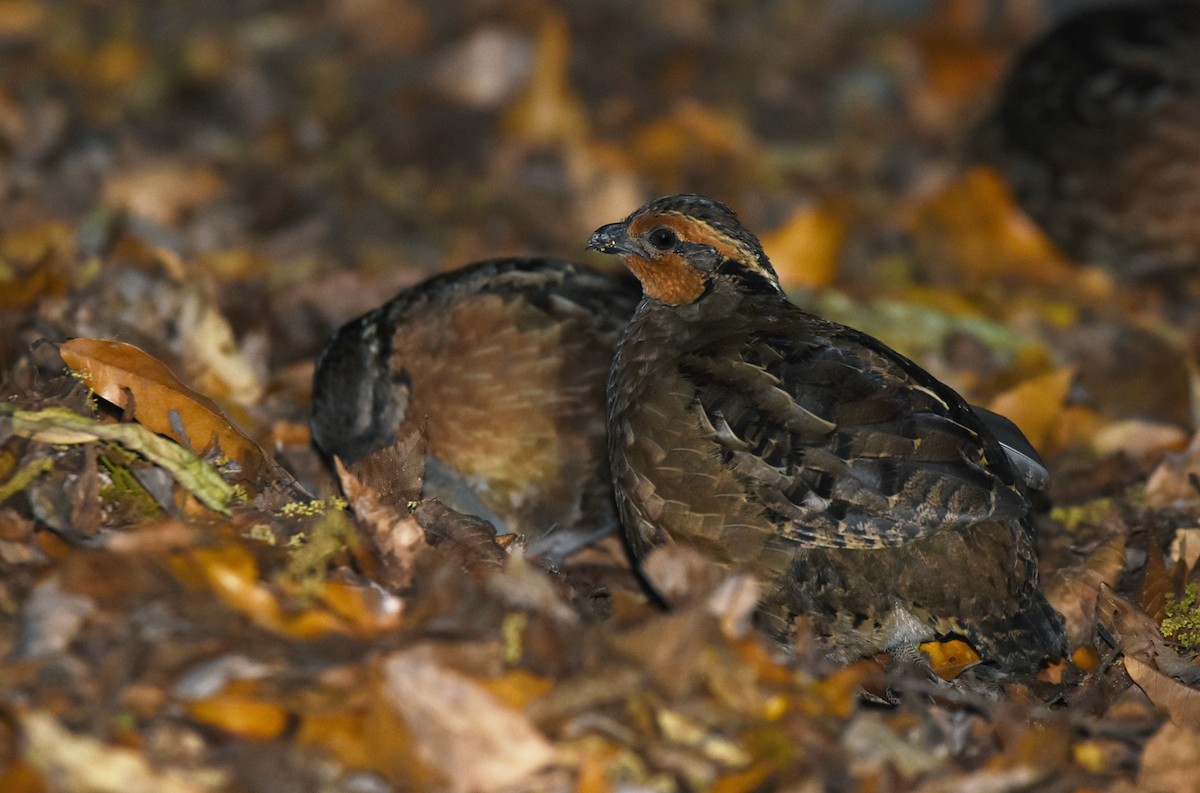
(223, 184)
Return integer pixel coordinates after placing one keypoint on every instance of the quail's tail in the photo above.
(1022, 641)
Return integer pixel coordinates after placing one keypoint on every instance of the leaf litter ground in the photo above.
(187, 603)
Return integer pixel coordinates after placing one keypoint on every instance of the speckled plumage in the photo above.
(501, 365)
(863, 492)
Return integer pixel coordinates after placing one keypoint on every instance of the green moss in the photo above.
(310, 553)
(1086, 514)
(123, 488)
(1182, 623)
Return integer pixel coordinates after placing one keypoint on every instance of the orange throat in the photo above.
(668, 280)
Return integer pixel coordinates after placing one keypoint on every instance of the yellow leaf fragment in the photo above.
(806, 249)
(1037, 404)
(950, 659)
(80, 762)
(240, 715)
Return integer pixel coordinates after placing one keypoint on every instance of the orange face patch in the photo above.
(668, 279)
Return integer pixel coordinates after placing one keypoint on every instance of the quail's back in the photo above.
(862, 491)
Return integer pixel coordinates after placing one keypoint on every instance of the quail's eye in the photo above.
(663, 239)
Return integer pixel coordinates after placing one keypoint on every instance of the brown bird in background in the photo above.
(501, 366)
(1097, 130)
(860, 490)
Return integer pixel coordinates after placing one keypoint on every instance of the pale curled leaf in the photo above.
(82, 763)
(63, 426)
(459, 730)
(1180, 702)
(1073, 591)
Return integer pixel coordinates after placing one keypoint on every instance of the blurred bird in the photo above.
(1097, 130)
(501, 367)
(860, 490)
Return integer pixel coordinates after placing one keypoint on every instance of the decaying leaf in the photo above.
(460, 730)
(80, 762)
(397, 536)
(1073, 591)
(1179, 701)
(62, 426)
(1036, 405)
(807, 248)
(1171, 760)
(950, 659)
(136, 381)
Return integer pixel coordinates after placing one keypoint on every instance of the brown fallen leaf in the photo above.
(1180, 702)
(395, 533)
(459, 730)
(1073, 591)
(136, 381)
(1152, 590)
(164, 192)
(1171, 760)
(1136, 634)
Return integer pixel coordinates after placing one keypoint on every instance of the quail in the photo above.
(501, 366)
(862, 492)
(1097, 130)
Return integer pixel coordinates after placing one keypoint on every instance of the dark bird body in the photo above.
(859, 489)
(1097, 130)
(501, 366)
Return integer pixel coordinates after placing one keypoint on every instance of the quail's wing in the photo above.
(848, 443)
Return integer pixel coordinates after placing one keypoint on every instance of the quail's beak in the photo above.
(613, 238)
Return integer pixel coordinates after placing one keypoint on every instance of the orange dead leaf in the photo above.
(950, 659)
(837, 694)
(547, 111)
(1036, 405)
(806, 248)
(973, 231)
(240, 715)
(232, 574)
(120, 373)
(21, 18)
(516, 688)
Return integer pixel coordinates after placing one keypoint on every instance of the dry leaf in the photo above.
(1171, 759)
(163, 192)
(950, 659)
(1152, 590)
(134, 380)
(1036, 405)
(241, 715)
(1073, 591)
(973, 233)
(1180, 702)
(83, 763)
(807, 248)
(460, 730)
(547, 111)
